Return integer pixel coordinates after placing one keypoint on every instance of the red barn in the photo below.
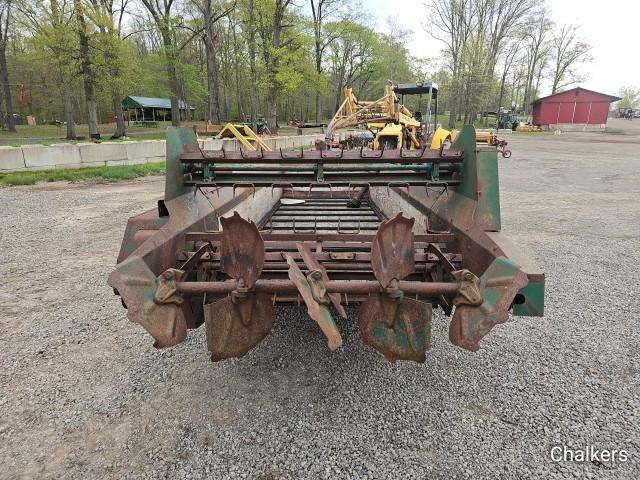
(578, 106)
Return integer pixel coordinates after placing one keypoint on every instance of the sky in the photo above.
(611, 27)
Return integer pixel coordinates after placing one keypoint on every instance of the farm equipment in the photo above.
(392, 124)
(238, 232)
(507, 120)
(245, 135)
(528, 128)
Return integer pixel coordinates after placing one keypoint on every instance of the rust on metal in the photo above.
(351, 287)
(241, 249)
(400, 329)
(498, 286)
(314, 265)
(195, 260)
(235, 327)
(167, 286)
(313, 292)
(392, 251)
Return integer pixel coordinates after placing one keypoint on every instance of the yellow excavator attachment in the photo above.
(440, 136)
(244, 135)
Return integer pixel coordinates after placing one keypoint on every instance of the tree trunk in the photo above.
(251, 45)
(318, 108)
(172, 75)
(272, 109)
(11, 123)
(455, 93)
(236, 67)
(212, 64)
(119, 114)
(68, 112)
(87, 72)
(319, 72)
(274, 88)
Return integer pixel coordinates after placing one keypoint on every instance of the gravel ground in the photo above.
(84, 394)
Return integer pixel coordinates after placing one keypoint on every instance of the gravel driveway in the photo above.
(83, 394)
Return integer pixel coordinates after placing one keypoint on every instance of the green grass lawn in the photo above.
(100, 174)
(48, 134)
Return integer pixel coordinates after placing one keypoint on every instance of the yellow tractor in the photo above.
(393, 125)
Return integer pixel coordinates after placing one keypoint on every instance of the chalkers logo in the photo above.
(589, 453)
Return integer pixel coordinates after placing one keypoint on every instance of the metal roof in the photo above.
(134, 101)
(612, 98)
(417, 88)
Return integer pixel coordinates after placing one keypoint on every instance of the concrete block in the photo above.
(139, 151)
(157, 148)
(51, 156)
(11, 158)
(161, 159)
(229, 144)
(93, 153)
(211, 144)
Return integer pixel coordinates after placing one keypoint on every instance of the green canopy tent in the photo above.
(152, 108)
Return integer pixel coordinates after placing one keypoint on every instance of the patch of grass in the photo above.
(100, 174)
(48, 134)
(541, 132)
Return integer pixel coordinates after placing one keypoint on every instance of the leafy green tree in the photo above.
(630, 97)
(5, 19)
(52, 25)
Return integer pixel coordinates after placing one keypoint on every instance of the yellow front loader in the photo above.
(393, 125)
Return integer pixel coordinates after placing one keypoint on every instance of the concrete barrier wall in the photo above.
(67, 155)
(575, 127)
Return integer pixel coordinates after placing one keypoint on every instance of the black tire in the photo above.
(506, 154)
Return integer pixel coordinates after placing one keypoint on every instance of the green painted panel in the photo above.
(480, 179)
(488, 211)
(179, 140)
(533, 305)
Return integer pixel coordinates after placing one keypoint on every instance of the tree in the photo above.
(536, 36)
(352, 57)
(109, 18)
(211, 15)
(321, 12)
(450, 22)
(509, 58)
(250, 32)
(163, 16)
(53, 30)
(5, 17)
(630, 97)
(270, 28)
(568, 52)
(87, 70)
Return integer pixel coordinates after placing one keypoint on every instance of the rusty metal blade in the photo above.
(400, 331)
(312, 263)
(241, 249)
(499, 284)
(392, 252)
(317, 311)
(235, 328)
